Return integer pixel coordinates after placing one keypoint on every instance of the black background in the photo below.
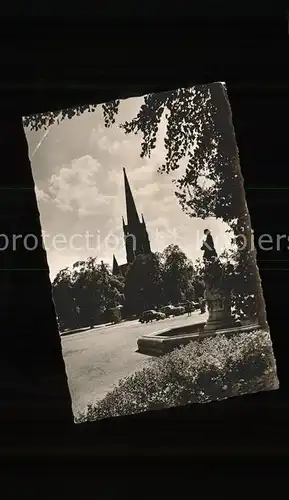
(62, 62)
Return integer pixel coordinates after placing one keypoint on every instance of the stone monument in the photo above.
(218, 296)
(218, 281)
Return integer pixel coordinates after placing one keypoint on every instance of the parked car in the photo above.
(160, 315)
(168, 310)
(173, 310)
(150, 315)
(178, 310)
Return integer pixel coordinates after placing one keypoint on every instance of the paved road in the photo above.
(96, 359)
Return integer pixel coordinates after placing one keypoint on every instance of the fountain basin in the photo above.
(164, 341)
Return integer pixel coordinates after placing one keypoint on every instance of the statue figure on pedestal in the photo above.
(208, 247)
(218, 299)
(213, 267)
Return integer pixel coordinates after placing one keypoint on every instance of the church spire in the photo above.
(115, 267)
(135, 233)
(131, 211)
(142, 220)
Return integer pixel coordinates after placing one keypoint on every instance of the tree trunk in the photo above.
(243, 226)
(33, 380)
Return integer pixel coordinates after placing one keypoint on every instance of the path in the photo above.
(96, 359)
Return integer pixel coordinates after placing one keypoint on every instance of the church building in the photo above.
(135, 232)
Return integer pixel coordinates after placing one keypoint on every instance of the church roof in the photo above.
(123, 267)
(118, 269)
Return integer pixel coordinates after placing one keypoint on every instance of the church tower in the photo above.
(135, 233)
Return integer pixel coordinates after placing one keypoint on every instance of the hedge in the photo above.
(216, 368)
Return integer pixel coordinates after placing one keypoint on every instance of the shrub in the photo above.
(114, 315)
(216, 368)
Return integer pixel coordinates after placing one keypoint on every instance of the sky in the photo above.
(78, 172)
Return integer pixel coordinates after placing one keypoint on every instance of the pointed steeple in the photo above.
(115, 267)
(135, 232)
(131, 211)
(143, 221)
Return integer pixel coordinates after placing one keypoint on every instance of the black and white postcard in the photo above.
(151, 252)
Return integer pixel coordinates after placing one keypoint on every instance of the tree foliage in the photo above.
(240, 282)
(63, 295)
(89, 293)
(196, 131)
(89, 289)
(45, 120)
(178, 272)
(159, 279)
(144, 283)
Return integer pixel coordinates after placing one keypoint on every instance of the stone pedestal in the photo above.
(219, 309)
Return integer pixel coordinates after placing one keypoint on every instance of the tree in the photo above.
(87, 291)
(143, 283)
(63, 295)
(95, 290)
(178, 275)
(83, 294)
(199, 269)
(237, 281)
(114, 315)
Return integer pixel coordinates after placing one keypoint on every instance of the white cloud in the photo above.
(75, 187)
(62, 206)
(141, 174)
(144, 172)
(148, 190)
(41, 195)
(168, 200)
(103, 143)
(80, 170)
(102, 138)
(160, 222)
